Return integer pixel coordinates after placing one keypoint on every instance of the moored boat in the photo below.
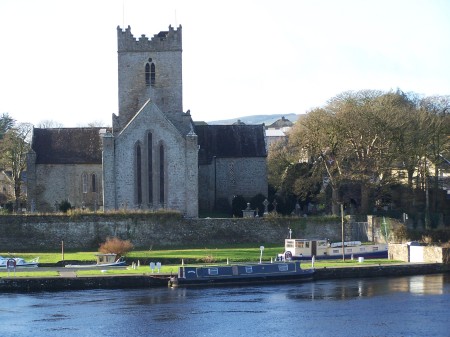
(18, 262)
(305, 249)
(103, 260)
(250, 273)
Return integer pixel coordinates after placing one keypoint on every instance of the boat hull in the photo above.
(25, 265)
(19, 262)
(368, 255)
(116, 264)
(246, 274)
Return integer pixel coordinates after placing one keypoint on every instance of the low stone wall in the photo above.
(20, 284)
(406, 269)
(23, 284)
(147, 231)
(428, 254)
(398, 251)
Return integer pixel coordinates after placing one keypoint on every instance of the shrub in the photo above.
(238, 204)
(257, 203)
(400, 233)
(116, 246)
(64, 206)
(208, 259)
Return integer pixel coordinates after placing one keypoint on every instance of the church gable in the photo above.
(155, 165)
(67, 145)
(148, 118)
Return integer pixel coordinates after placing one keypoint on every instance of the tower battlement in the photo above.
(163, 41)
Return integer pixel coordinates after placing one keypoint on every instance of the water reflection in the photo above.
(377, 307)
(351, 289)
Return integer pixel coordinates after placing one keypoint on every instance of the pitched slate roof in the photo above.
(68, 145)
(230, 141)
(84, 145)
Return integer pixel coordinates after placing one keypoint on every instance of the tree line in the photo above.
(359, 146)
(14, 145)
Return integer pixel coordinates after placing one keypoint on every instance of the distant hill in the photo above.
(256, 119)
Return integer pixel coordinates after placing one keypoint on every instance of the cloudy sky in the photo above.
(58, 58)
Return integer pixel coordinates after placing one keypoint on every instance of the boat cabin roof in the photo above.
(307, 240)
(106, 258)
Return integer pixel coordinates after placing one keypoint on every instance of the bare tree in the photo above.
(316, 139)
(436, 121)
(46, 124)
(14, 148)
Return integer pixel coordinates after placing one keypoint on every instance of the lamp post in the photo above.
(62, 249)
(260, 257)
(342, 229)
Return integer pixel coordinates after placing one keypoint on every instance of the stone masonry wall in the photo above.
(45, 233)
(63, 182)
(133, 54)
(151, 120)
(227, 177)
(241, 176)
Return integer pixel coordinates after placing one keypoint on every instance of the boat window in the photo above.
(289, 244)
(283, 267)
(322, 243)
(349, 250)
(375, 248)
(298, 244)
(307, 244)
(248, 269)
(362, 249)
(335, 250)
(213, 271)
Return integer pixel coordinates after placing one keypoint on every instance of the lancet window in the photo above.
(138, 157)
(150, 167)
(161, 174)
(150, 73)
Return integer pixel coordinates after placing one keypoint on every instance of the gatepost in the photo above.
(11, 265)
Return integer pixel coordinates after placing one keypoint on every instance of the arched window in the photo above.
(150, 166)
(161, 174)
(84, 182)
(147, 74)
(138, 174)
(93, 183)
(150, 74)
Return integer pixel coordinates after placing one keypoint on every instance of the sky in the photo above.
(58, 59)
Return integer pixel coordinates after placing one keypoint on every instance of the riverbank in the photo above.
(70, 281)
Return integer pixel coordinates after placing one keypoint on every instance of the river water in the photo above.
(400, 306)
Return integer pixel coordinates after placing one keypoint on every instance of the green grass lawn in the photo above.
(237, 254)
(46, 257)
(219, 254)
(29, 273)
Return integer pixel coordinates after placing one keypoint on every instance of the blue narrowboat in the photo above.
(251, 273)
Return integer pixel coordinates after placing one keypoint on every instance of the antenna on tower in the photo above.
(123, 14)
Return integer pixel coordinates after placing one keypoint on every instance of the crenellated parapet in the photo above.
(163, 41)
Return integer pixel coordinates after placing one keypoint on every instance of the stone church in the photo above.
(154, 156)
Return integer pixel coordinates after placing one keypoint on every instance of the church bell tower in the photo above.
(149, 69)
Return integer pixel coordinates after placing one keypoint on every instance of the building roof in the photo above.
(230, 141)
(281, 123)
(68, 145)
(84, 145)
